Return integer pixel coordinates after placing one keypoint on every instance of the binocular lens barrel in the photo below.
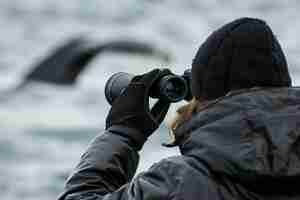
(171, 88)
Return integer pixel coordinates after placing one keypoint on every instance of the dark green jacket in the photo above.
(242, 146)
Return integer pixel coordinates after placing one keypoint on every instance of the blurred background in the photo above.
(46, 127)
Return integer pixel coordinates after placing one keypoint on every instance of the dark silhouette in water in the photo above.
(66, 63)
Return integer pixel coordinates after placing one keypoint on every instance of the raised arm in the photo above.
(106, 169)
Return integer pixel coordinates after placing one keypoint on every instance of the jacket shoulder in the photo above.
(180, 177)
(181, 163)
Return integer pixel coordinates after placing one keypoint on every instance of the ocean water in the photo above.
(45, 128)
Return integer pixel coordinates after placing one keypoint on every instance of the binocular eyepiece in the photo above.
(171, 88)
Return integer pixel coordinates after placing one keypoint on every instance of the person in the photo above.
(238, 137)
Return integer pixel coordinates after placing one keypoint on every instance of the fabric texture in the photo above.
(242, 146)
(241, 54)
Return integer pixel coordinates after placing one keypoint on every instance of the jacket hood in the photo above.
(252, 137)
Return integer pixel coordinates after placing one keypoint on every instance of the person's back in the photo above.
(238, 137)
(242, 146)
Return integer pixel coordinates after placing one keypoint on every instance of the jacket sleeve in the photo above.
(106, 169)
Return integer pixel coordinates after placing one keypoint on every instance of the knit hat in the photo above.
(241, 54)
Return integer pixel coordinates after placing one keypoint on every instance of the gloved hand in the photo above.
(131, 109)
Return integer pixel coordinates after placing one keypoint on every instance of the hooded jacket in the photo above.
(241, 146)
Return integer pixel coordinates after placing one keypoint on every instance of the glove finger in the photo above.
(136, 78)
(150, 77)
(159, 110)
(147, 80)
(139, 89)
(131, 98)
(153, 75)
(135, 92)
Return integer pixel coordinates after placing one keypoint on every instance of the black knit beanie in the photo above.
(242, 54)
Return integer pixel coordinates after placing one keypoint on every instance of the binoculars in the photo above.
(171, 88)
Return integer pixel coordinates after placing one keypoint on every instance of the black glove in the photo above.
(131, 109)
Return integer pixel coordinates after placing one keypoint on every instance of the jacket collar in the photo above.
(248, 135)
